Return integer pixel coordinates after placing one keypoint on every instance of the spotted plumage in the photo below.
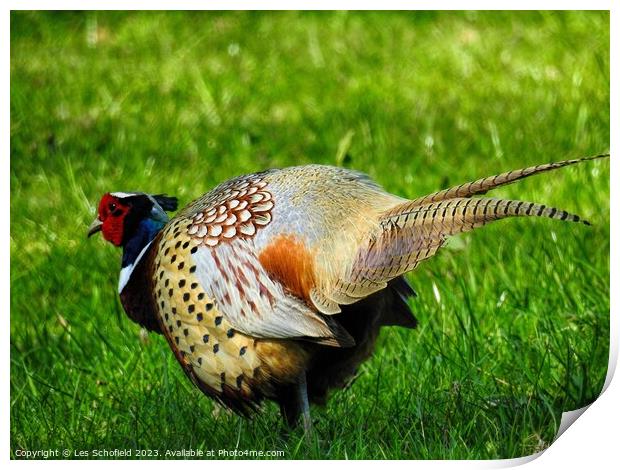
(275, 285)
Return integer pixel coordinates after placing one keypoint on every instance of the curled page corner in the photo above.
(568, 418)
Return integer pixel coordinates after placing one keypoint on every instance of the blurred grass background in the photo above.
(513, 318)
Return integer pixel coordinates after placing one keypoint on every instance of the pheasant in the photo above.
(275, 285)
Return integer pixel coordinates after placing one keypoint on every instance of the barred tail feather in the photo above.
(483, 185)
(410, 233)
(462, 212)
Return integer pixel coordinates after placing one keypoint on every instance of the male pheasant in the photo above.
(275, 285)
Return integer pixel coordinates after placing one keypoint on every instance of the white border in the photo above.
(310, 5)
(592, 441)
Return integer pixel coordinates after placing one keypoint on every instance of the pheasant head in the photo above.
(122, 216)
(131, 221)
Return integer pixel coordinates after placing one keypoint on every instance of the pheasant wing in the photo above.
(214, 236)
(256, 305)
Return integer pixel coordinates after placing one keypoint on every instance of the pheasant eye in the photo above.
(114, 210)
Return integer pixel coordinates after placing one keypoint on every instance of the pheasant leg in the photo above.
(302, 390)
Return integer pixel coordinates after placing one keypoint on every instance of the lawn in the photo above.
(513, 318)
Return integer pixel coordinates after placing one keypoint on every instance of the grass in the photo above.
(513, 317)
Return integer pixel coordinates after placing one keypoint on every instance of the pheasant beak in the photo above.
(95, 227)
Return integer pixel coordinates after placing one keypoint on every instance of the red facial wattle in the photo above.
(112, 213)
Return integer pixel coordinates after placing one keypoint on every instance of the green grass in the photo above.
(175, 103)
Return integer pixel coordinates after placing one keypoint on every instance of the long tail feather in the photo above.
(483, 185)
(456, 214)
(410, 233)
